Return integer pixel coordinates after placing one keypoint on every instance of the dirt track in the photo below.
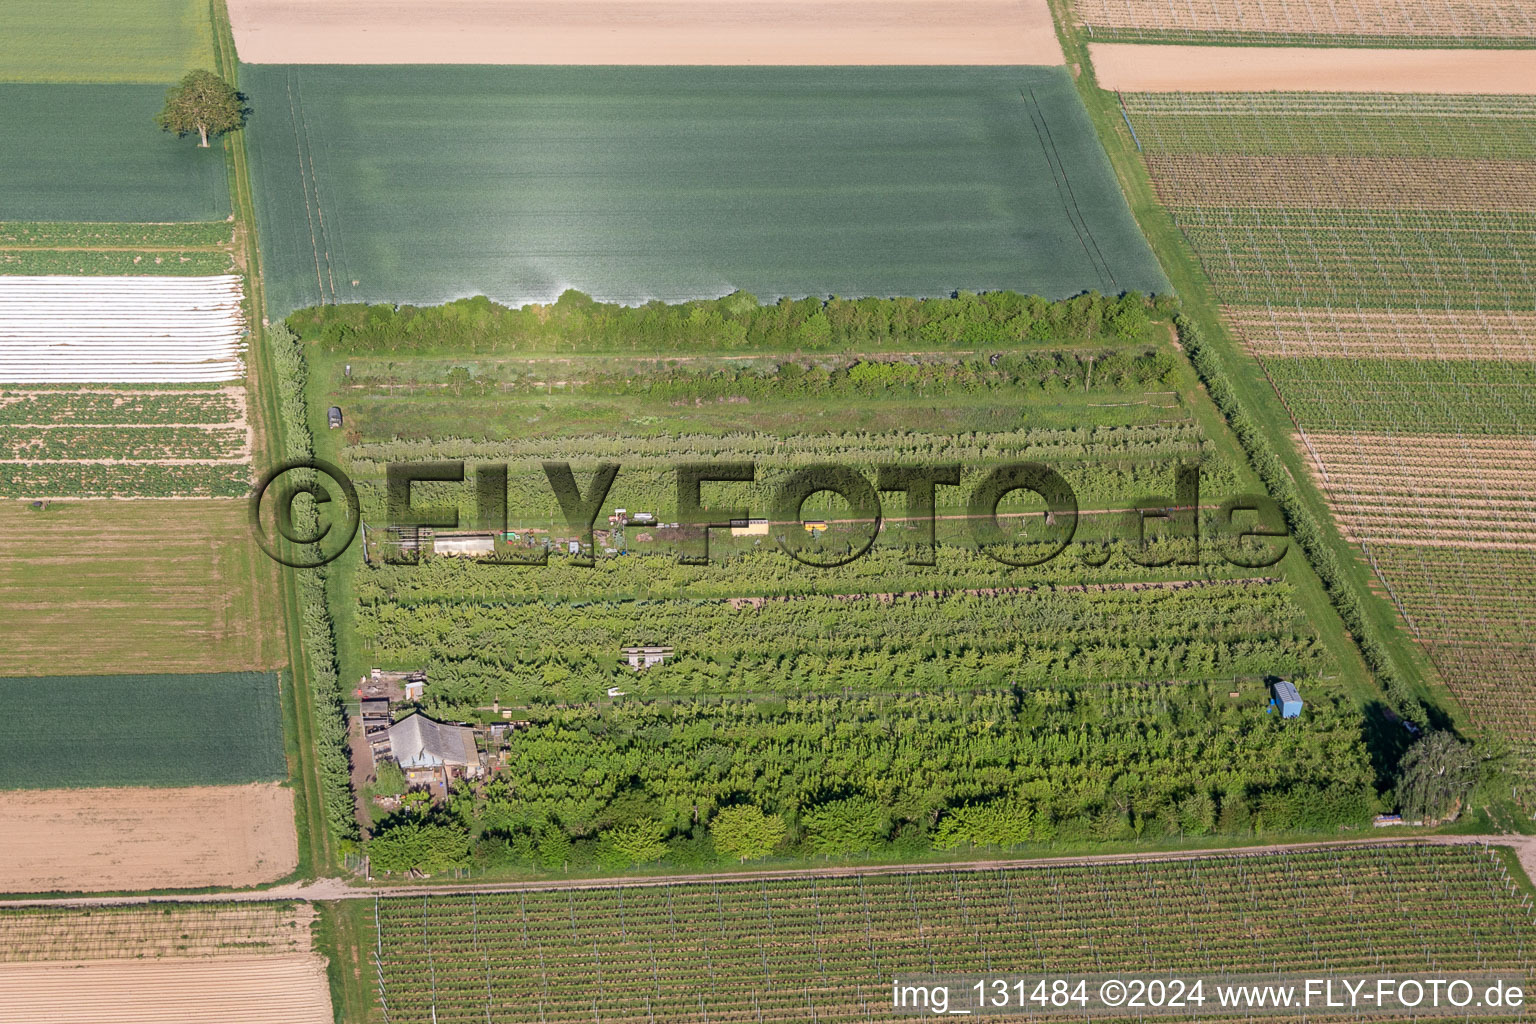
(1135, 68)
(657, 32)
(329, 889)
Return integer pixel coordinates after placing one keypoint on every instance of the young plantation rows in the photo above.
(826, 948)
(1375, 125)
(1473, 610)
(1311, 22)
(827, 643)
(1107, 468)
(1497, 336)
(1391, 315)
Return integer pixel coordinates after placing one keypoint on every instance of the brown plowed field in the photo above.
(1429, 490)
(91, 840)
(1510, 18)
(1396, 334)
(1140, 68)
(1342, 182)
(644, 32)
(107, 587)
(285, 989)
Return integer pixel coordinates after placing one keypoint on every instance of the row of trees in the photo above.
(331, 742)
(1031, 373)
(737, 322)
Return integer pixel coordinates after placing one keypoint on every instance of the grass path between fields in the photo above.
(316, 853)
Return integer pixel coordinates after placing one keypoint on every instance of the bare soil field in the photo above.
(1138, 68)
(1438, 491)
(661, 32)
(92, 840)
(1342, 182)
(1486, 18)
(1386, 334)
(140, 586)
(287, 989)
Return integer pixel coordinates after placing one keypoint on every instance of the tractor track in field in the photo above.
(327, 890)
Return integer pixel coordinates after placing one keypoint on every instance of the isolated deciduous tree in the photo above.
(1435, 774)
(746, 832)
(204, 103)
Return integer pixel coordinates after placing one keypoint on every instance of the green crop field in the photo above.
(1374, 256)
(151, 41)
(93, 153)
(826, 949)
(141, 730)
(416, 184)
(905, 691)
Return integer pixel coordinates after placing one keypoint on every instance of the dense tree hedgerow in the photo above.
(737, 322)
(319, 633)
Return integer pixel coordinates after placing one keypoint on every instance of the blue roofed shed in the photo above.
(1286, 699)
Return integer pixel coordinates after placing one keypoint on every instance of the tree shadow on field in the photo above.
(1387, 738)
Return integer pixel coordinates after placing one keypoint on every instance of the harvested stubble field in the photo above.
(826, 948)
(136, 586)
(132, 730)
(1138, 68)
(150, 41)
(1313, 22)
(669, 32)
(1392, 316)
(425, 184)
(100, 157)
(150, 933)
(193, 964)
(92, 840)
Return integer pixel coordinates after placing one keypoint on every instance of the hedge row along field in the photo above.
(139, 730)
(806, 692)
(826, 948)
(1391, 315)
(1404, 23)
(680, 183)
